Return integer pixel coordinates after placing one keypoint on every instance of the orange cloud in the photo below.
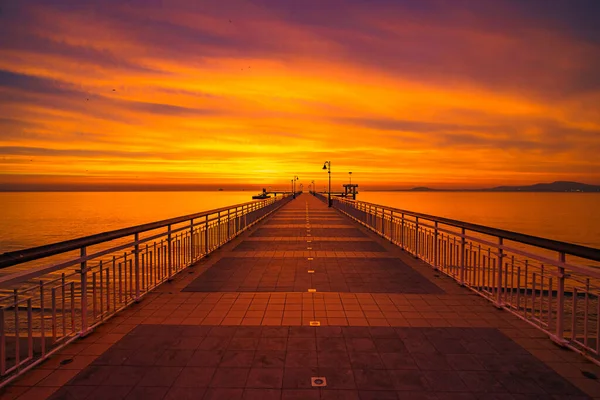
(397, 93)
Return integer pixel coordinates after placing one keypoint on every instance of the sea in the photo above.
(29, 219)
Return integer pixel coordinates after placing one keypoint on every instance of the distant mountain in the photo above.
(558, 186)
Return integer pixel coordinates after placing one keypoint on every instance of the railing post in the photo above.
(499, 273)
(84, 304)
(417, 237)
(219, 229)
(169, 258)
(206, 235)
(435, 245)
(392, 230)
(462, 257)
(136, 250)
(383, 222)
(191, 241)
(402, 233)
(560, 303)
(228, 224)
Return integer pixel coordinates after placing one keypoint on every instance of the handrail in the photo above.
(558, 297)
(549, 244)
(51, 304)
(10, 259)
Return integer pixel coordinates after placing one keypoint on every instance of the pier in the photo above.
(288, 298)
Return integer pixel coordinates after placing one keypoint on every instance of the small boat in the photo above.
(261, 196)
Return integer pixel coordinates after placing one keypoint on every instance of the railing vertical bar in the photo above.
(586, 304)
(17, 330)
(94, 296)
(63, 303)
(42, 322)
(53, 305)
(136, 249)
(101, 271)
(84, 305)
(73, 326)
(2, 343)
(29, 329)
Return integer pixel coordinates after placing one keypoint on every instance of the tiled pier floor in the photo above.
(236, 326)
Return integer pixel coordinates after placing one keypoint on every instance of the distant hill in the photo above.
(558, 186)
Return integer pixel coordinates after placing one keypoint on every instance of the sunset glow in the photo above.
(243, 94)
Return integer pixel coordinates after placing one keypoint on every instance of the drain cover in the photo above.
(318, 381)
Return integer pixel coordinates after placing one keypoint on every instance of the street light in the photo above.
(314, 188)
(350, 174)
(327, 166)
(294, 185)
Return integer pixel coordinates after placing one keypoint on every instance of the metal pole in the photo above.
(462, 257)
(417, 237)
(84, 305)
(137, 267)
(169, 261)
(435, 245)
(560, 303)
(329, 193)
(499, 273)
(192, 244)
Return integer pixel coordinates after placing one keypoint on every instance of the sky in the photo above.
(244, 94)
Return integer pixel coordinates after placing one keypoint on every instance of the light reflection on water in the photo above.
(567, 217)
(35, 219)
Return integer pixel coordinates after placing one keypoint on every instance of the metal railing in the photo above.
(553, 285)
(61, 291)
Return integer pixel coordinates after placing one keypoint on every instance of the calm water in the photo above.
(568, 217)
(33, 219)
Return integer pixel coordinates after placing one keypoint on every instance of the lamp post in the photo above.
(314, 187)
(294, 185)
(327, 166)
(350, 175)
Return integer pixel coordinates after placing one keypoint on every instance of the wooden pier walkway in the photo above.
(237, 325)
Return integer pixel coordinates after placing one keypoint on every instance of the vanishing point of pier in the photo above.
(291, 299)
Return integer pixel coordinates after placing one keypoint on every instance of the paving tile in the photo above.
(160, 376)
(230, 378)
(262, 394)
(237, 359)
(298, 378)
(303, 394)
(197, 377)
(298, 359)
(184, 393)
(223, 394)
(370, 379)
(271, 378)
(338, 378)
(72, 392)
(105, 392)
(147, 393)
